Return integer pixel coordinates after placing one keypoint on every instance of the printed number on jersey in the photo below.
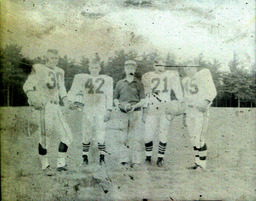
(191, 87)
(54, 80)
(95, 87)
(159, 85)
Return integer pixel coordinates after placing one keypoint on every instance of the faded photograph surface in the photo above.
(128, 100)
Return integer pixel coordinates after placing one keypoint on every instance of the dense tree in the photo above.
(11, 74)
(236, 87)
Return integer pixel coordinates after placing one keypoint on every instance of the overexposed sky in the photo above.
(80, 28)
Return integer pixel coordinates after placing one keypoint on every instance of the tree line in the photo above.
(236, 87)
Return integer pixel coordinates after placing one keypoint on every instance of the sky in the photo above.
(215, 29)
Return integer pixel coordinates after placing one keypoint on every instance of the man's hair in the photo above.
(53, 51)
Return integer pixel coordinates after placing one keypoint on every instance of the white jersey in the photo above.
(48, 83)
(198, 88)
(95, 90)
(159, 86)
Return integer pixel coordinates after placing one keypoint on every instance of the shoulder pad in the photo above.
(204, 71)
(59, 69)
(146, 75)
(38, 67)
(81, 76)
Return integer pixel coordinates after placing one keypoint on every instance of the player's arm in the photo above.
(31, 90)
(109, 93)
(176, 86)
(62, 90)
(116, 94)
(209, 90)
(109, 98)
(147, 87)
(76, 88)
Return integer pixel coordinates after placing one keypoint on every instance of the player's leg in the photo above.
(163, 131)
(64, 131)
(202, 144)
(194, 123)
(42, 146)
(150, 128)
(100, 132)
(87, 129)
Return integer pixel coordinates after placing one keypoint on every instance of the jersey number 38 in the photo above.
(53, 82)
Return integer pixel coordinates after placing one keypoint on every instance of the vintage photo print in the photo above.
(128, 100)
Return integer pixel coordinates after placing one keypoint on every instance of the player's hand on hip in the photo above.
(144, 114)
(204, 107)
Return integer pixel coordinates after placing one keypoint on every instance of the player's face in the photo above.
(52, 59)
(94, 69)
(129, 69)
(190, 71)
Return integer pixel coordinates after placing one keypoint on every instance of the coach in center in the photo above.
(129, 97)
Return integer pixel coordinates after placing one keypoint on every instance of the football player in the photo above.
(199, 92)
(44, 89)
(93, 93)
(162, 88)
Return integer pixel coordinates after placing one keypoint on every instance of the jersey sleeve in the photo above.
(176, 85)
(33, 79)
(62, 90)
(76, 88)
(208, 88)
(117, 90)
(109, 93)
(141, 90)
(146, 83)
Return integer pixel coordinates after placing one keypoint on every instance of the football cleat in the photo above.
(160, 161)
(194, 167)
(60, 169)
(148, 160)
(49, 171)
(102, 159)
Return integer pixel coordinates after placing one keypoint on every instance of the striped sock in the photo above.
(202, 156)
(101, 148)
(196, 153)
(149, 148)
(161, 149)
(86, 148)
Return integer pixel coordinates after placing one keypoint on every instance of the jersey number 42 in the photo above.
(91, 86)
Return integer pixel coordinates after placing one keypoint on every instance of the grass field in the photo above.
(231, 173)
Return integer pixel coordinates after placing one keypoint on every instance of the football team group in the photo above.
(150, 103)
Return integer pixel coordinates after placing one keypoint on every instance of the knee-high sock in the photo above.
(43, 156)
(149, 148)
(202, 155)
(161, 149)
(196, 154)
(62, 154)
(86, 148)
(101, 148)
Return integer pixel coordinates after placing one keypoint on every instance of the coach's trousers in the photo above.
(132, 139)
